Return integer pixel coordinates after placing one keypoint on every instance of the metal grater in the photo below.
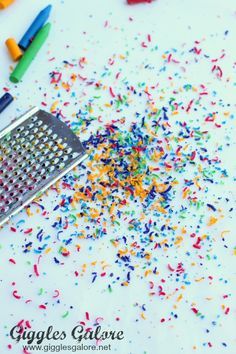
(36, 150)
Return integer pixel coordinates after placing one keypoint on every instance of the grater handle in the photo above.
(18, 121)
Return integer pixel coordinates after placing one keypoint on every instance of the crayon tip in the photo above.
(47, 9)
(47, 27)
(14, 79)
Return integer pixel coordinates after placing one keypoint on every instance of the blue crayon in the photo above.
(35, 27)
(5, 100)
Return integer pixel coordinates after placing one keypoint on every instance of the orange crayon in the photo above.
(14, 49)
(5, 3)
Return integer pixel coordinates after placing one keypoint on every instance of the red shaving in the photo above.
(81, 62)
(27, 324)
(12, 261)
(42, 307)
(15, 295)
(111, 61)
(169, 58)
(56, 77)
(219, 72)
(25, 351)
(118, 74)
(189, 105)
(19, 324)
(111, 92)
(194, 310)
(81, 77)
(36, 270)
(151, 285)
(57, 293)
(132, 2)
(170, 268)
(28, 231)
(227, 311)
(197, 244)
(193, 155)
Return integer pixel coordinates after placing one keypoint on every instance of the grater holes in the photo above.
(41, 147)
(60, 166)
(25, 133)
(40, 159)
(49, 144)
(16, 148)
(34, 130)
(31, 137)
(21, 140)
(48, 132)
(45, 164)
(58, 153)
(16, 136)
(26, 169)
(50, 169)
(43, 127)
(20, 129)
(40, 150)
(64, 158)
(45, 152)
(54, 136)
(54, 148)
(50, 156)
(73, 155)
(34, 118)
(4, 210)
(55, 161)
(35, 142)
(40, 135)
(38, 123)
(68, 151)
(44, 139)
(30, 126)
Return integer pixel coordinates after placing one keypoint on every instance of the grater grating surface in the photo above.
(35, 151)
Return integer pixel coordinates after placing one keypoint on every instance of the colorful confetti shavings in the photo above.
(146, 188)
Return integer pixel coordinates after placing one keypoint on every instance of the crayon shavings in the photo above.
(155, 194)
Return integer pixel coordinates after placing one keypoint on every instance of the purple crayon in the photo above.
(35, 27)
(5, 100)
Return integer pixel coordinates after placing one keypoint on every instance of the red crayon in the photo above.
(132, 2)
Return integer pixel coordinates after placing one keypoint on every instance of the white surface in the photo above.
(172, 23)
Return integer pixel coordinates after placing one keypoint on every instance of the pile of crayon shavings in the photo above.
(147, 188)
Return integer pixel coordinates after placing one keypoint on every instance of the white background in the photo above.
(172, 23)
